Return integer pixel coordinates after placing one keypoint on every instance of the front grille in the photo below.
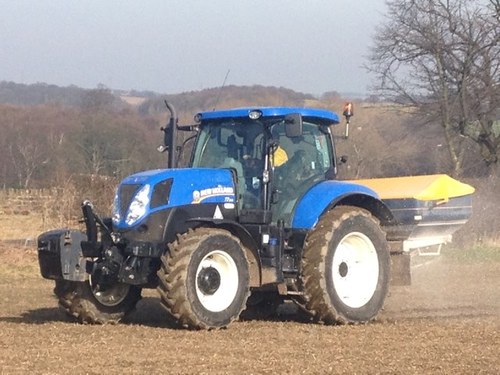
(126, 195)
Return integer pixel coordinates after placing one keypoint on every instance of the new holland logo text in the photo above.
(227, 191)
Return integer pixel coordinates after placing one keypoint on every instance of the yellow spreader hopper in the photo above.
(426, 209)
(437, 187)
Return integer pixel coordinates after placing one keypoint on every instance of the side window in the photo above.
(311, 150)
(323, 151)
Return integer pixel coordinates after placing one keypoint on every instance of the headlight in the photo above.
(116, 210)
(138, 206)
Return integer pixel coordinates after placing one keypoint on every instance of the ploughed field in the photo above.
(448, 321)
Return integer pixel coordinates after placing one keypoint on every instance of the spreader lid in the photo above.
(425, 188)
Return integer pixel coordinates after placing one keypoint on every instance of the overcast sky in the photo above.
(171, 46)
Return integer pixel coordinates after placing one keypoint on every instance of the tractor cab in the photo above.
(275, 154)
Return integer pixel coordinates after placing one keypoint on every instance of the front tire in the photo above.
(90, 303)
(346, 267)
(65, 292)
(204, 279)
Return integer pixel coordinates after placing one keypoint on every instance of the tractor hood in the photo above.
(144, 193)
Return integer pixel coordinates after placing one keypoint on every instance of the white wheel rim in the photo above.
(221, 298)
(110, 296)
(355, 270)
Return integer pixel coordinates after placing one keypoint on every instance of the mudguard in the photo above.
(322, 196)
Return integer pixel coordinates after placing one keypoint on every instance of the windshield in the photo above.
(219, 141)
(239, 145)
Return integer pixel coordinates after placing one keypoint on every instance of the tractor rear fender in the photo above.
(249, 245)
(326, 195)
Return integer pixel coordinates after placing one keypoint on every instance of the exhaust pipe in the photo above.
(170, 136)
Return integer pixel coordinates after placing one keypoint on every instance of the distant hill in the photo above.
(43, 93)
(39, 93)
(148, 101)
(192, 102)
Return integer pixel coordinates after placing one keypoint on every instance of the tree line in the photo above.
(43, 146)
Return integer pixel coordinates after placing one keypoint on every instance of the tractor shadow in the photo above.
(39, 316)
(149, 312)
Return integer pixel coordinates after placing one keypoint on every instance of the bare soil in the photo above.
(447, 322)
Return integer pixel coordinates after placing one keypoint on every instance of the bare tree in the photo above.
(443, 57)
(27, 156)
(496, 8)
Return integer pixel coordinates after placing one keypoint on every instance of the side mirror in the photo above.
(293, 125)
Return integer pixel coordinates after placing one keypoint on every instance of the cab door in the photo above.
(299, 162)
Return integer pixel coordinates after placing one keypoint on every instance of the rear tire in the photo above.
(346, 267)
(88, 304)
(204, 279)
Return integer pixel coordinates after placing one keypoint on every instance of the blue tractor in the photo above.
(257, 218)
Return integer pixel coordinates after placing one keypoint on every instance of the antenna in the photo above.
(220, 90)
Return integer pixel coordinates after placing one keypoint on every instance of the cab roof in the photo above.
(322, 116)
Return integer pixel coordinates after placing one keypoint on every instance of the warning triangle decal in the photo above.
(218, 214)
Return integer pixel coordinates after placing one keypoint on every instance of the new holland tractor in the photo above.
(258, 217)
